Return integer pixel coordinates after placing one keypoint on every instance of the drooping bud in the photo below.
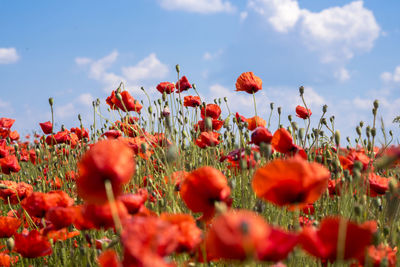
(279, 110)
(376, 104)
(166, 112)
(178, 68)
(271, 105)
(51, 101)
(301, 90)
(337, 138)
(324, 108)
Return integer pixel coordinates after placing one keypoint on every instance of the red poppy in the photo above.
(282, 141)
(261, 135)
(60, 217)
(109, 258)
(32, 245)
(207, 139)
(376, 255)
(133, 202)
(166, 87)
(277, 245)
(377, 185)
(15, 191)
(147, 240)
(202, 188)
(182, 85)
(9, 164)
(6, 123)
(293, 182)
(249, 83)
(80, 132)
(323, 242)
(236, 235)
(191, 101)
(302, 112)
(216, 125)
(38, 203)
(234, 157)
(8, 226)
(5, 260)
(62, 137)
(61, 234)
(255, 122)
(106, 160)
(47, 127)
(240, 118)
(112, 134)
(211, 110)
(100, 215)
(128, 102)
(176, 179)
(190, 236)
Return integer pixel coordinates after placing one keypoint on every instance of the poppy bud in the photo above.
(119, 97)
(208, 123)
(279, 110)
(178, 68)
(79, 117)
(301, 90)
(302, 131)
(226, 123)
(391, 133)
(331, 119)
(373, 132)
(166, 112)
(172, 153)
(374, 110)
(271, 105)
(290, 118)
(358, 130)
(194, 86)
(51, 101)
(348, 139)
(357, 210)
(225, 99)
(368, 131)
(376, 104)
(98, 102)
(323, 121)
(150, 109)
(10, 244)
(324, 108)
(295, 125)
(164, 96)
(337, 138)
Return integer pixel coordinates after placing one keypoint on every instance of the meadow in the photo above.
(170, 182)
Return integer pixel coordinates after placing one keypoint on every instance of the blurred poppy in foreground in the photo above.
(323, 242)
(14, 191)
(9, 164)
(248, 82)
(106, 160)
(32, 245)
(261, 134)
(202, 188)
(108, 258)
(293, 182)
(8, 226)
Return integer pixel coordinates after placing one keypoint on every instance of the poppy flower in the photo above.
(207, 139)
(234, 157)
(216, 125)
(9, 164)
(32, 245)
(128, 102)
(277, 245)
(60, 217)
(15, 191)
(61, 234)
(147, 240)
(112, 134)
(378, 185)
(261, 135)
(80, 132)
(6, 123)
(133, 202)
(5, 260)
(376, 255)
(176, 179)
(282, 141)
(106, 160)
(47, 127)
(108, 258)
(248, 82)
(190, 236)
(212, 110)
(8, 226)
(182, 85)
(302, 112)
(293, 182)
(202, 188)
(255, 122)
(38, 203)
(166, 87)
(191, 101)
(240, 118)
(323, 242)
(236, 235)
(101, 216)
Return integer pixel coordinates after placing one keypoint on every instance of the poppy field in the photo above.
(172, 182)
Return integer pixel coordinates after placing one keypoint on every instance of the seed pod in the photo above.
(301, 90)
(51, 101)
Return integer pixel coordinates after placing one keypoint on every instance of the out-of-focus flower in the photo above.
(32, 245)
(261, 134)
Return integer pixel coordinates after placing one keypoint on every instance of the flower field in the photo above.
(171, 182)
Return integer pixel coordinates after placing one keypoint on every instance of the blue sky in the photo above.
(346, 54)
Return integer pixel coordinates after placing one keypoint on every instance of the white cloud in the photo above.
(391, 77)
(82, 103)
(342, 74)
(212, 56)
(336, 33)
(281, 14)
(243, 15)
(8, 55)
(198, 6)
(148, 68)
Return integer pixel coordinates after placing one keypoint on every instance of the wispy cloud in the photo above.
(198, 6)
(8, 55)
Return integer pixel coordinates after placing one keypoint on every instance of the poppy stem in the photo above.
(342, 231)
(113, 207)
(255, 107)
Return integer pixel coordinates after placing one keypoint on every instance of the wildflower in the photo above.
(8, 226)
(293, 182)
(249, 83)
(9, 164)
(211, 110)
(47, 127)
(6, 123)
(277, 245)
(133, 202)
(191, 101)
(127, 102)
(108, 258)
(261, 134)
(32, 245)
(323, 242)
(207, 139)
(60, 217)
(302, 112)
(80, 132)
(182, 85)
(376, 255)
(107, 160)
(100, 215)
(165, 87)
(255, 122)
(202, 188)
(216, 125)
(15, 191)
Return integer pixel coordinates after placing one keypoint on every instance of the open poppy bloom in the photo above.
(249, 83)
(202, 188)
(261, 135)
(61, 217)
(8, 226)
(211, 110)
(216, 125)
(80, 132)
(14, 191)
(191, 101)
(207, 139)
(108, 258)
(377, 185)
(133, 202)
(294, 182)
(323, 242)
(182, 85)
(376, 255)
(128, 103)
(9, 164)
(32, 245)
(107, 160)
(6, 123)
(255, 122)
(302, 112)
(100, 214)
(47, 127)
(236, 235)
(165, 87)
